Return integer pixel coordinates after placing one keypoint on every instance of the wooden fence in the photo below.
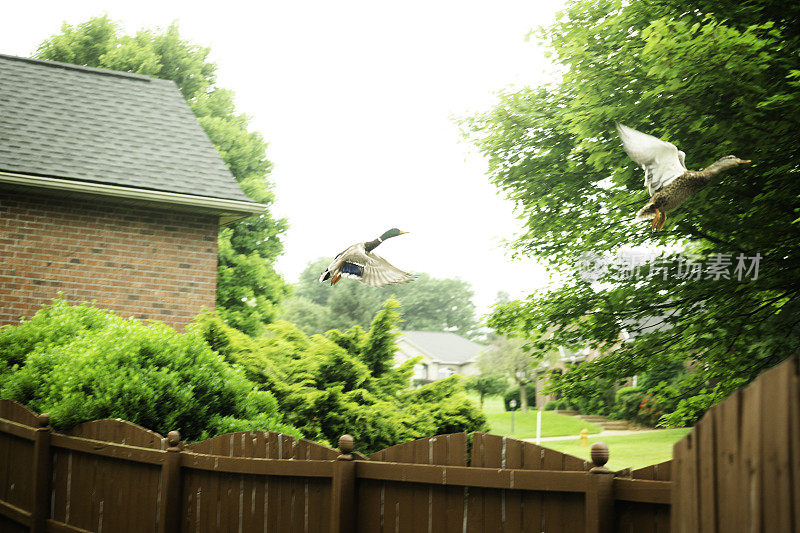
(738, 470)
(114, 476)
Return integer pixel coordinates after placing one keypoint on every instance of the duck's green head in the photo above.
(394, 232)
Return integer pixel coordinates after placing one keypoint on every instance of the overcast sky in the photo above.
(356, 101)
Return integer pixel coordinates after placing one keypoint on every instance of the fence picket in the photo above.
(474, 497)
(40, 504)
(455, 497)
(775, 429)
(513, 498)
(750, 494)
(726, 421)
(493, 500)
(422, 497)
(706, 472)
(794, 438)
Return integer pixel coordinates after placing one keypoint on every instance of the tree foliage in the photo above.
(427, 304)
(714, 78)
(248, 288)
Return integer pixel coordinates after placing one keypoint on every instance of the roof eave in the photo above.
(228, 210)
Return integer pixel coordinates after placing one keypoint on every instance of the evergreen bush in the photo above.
(79, 363)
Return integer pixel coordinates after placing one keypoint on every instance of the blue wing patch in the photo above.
(352, 268)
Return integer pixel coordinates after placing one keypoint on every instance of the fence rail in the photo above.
(737, 471)
(115, 476)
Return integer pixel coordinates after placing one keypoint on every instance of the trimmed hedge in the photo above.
(513, 394)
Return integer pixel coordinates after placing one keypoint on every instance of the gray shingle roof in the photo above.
(116, 128)
(443, 346)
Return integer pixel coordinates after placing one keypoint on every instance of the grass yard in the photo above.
(634, 450)
(553, 425)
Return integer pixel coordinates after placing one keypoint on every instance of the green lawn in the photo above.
(553, 425)
(634, 450)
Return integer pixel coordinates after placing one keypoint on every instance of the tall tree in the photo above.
(486, 385)
(714, 78)
(512, 358)
(248, 288)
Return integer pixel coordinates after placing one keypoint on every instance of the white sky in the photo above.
(356, 101)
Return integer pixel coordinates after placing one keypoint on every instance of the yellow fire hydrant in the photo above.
(584, 437)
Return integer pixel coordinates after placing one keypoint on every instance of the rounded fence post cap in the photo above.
(346, 443)
(173, 438)
(599, 452)
(44, 420)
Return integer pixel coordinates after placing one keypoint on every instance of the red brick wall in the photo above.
(136, 260)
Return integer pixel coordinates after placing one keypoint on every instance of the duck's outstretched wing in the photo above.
(371, 269)
(378, 272)
(662, 161)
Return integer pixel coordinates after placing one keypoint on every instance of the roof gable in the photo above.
(115, 128)
(444, 347)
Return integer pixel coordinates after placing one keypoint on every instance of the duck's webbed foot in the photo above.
(654, 223)
(661, 222)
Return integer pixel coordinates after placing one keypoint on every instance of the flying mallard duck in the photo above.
(360, 263)
(666, 178)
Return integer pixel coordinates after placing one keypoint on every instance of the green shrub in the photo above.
(53, 325)
(344, 382)
(446, 405)
(513, 394)
(85, 364)
(626, 403)
(552, 405)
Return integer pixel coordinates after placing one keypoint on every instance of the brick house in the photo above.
(110, 190)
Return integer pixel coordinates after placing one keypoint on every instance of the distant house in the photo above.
(567, 358)
(110, 190)
(443, 354)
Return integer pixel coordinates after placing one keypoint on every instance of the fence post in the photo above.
(343, 491)
(599, 493)
(42, 474)
(171, 482)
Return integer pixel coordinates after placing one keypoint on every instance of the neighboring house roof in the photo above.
(442, 347)
(571, 356)
(112, 130)
(633, 328)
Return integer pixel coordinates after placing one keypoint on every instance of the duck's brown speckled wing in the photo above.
(379, 272)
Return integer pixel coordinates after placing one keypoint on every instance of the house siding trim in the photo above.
(228, 210)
